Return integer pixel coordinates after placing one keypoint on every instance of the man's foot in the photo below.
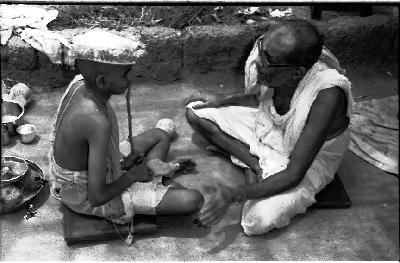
(250, 176)
(217, 150)
(201, 141)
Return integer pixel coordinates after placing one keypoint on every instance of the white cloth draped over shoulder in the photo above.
(281, 133)
(272, 137)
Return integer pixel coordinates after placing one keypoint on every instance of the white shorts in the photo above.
(143, 198)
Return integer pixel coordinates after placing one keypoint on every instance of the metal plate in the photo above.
(30, 185)
(15, 178)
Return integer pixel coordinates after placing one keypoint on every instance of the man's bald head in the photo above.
(301, 39)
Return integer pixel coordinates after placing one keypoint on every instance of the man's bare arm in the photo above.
(308, 145)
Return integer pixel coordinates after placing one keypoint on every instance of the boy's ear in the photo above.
(100, 81)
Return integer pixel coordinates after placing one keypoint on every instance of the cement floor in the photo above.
(368, 230)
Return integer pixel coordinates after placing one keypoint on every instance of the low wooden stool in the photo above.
(333, 195)
(80, 228)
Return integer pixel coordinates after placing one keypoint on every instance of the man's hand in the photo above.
(139, 173)
(213, 103)
(194, 98)
(216, 206)
(250, 176)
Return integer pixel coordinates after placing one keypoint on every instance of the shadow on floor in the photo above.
(230, 233)
(38, 201)
(168, 226)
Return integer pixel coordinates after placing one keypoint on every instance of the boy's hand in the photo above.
(140, 173)
(133, 158)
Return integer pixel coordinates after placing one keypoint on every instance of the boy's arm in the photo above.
(98, 133)
(309, 143)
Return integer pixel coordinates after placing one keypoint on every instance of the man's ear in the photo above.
(100, 81)
(299, 72)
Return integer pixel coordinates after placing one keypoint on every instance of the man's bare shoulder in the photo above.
(331, 94)
(328, 111)
(328, 100)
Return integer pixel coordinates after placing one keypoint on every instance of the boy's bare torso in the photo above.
(76, 114)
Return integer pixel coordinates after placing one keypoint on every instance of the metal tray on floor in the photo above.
(33, 177)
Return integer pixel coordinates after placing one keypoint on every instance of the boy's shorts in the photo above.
(143, 198)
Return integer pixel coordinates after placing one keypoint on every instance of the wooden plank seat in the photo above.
(83, 229)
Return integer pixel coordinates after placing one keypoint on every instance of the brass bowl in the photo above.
(27, 133)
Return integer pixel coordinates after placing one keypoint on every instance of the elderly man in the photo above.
(292, 144)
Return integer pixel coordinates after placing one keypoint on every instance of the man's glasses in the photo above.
(264, 57)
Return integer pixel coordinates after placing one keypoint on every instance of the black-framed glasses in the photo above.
(264, 57)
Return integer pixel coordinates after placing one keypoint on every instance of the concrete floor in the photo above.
(368, 230)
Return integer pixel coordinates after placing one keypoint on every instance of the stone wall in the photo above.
(213, 48)
(354, 40)
(357, 40)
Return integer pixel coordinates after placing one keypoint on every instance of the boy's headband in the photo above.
(105, 47)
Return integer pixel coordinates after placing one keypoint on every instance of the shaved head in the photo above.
(299, 40)
(91, 69)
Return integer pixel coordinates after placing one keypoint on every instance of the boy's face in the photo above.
(108, 78)
(116, 81)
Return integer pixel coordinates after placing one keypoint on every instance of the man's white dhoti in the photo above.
(262, 215)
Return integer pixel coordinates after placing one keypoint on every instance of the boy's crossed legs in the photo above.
(177, 200)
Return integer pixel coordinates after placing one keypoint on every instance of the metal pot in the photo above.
(27, 133)
(11, 112)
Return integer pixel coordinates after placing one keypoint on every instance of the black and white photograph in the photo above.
(199, 131)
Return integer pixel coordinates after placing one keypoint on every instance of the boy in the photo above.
(84, 155)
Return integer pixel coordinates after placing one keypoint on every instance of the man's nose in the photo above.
(257, 61)
(259, 64)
